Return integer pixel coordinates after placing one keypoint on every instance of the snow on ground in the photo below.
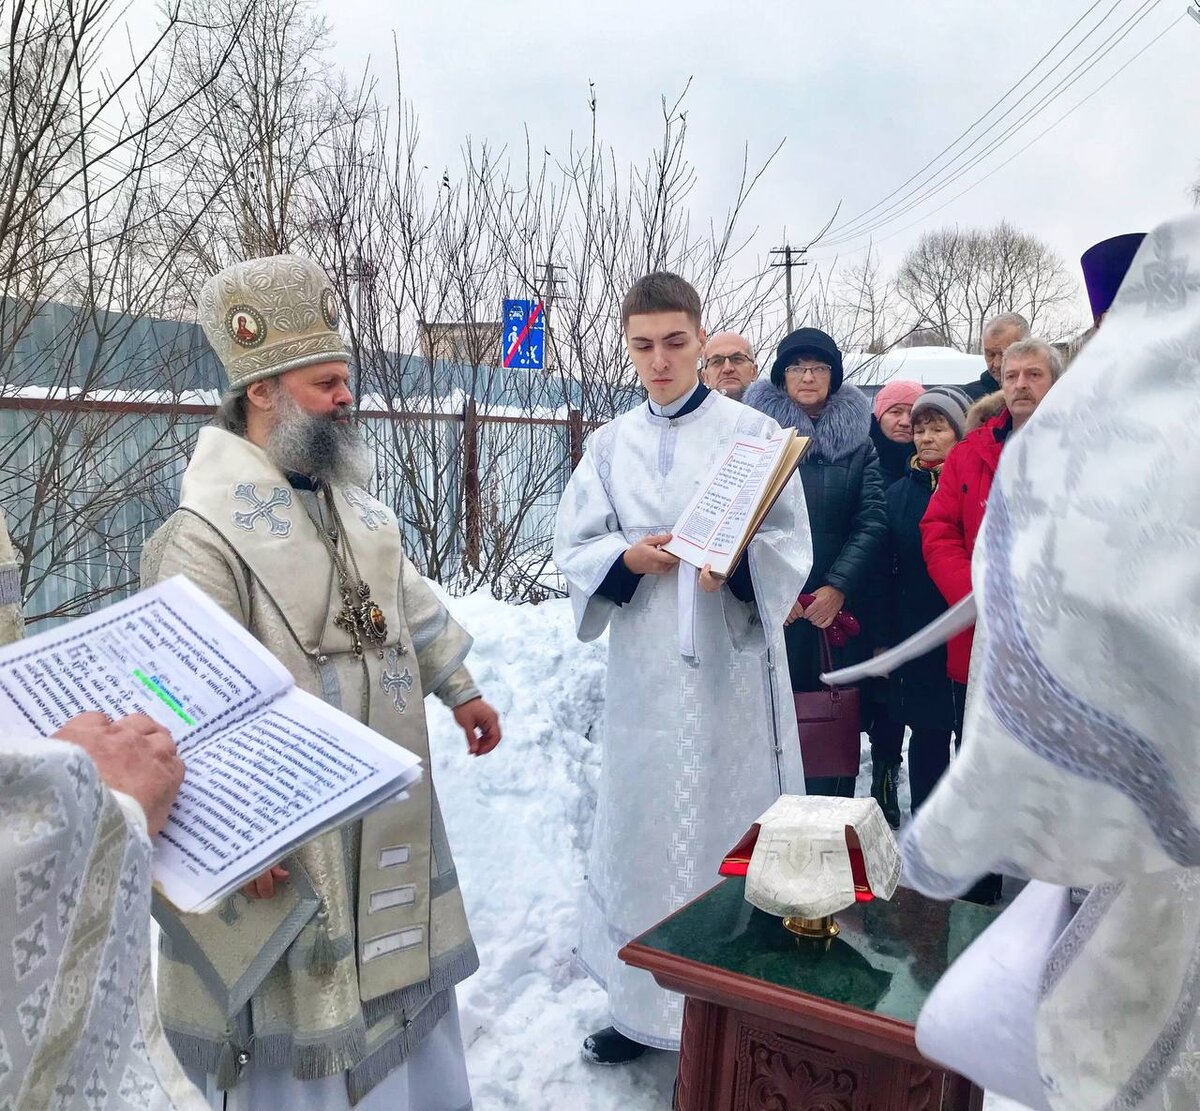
(519, 821)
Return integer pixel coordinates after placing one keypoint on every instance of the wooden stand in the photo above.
(749, 1044)
(752, 1054)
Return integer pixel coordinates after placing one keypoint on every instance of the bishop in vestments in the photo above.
(700, 730)
(336, 986)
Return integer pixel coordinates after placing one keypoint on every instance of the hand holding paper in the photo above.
(268, 766)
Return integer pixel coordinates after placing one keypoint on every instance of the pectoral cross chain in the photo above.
(361, 618)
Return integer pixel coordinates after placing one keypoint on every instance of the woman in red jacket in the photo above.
(955, 513)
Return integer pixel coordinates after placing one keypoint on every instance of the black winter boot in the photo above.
(610, 1047)
(885, 790)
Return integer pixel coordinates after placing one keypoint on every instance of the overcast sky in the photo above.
(864, 94)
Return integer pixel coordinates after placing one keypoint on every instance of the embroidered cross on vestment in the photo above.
(395, 682)
(371, 513)
(262, 509)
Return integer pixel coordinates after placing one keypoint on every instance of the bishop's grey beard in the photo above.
(324, 449)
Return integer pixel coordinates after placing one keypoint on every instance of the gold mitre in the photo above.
(268, 315)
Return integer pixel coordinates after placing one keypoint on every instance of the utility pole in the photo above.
(361, 272)
(550, 284)
(792, 256)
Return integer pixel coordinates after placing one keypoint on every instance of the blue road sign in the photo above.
(523, 337)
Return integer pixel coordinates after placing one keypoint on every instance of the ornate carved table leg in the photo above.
(696, 1055)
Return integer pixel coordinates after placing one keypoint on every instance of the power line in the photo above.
(1045, 131)
(903, 207)
(1077, 74)
(950, 173)
(842, 228)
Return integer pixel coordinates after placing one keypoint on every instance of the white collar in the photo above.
(673, 407)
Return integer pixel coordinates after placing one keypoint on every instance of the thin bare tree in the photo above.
(855, 303)
(242, 140)
(954, 281)
(81, 270)
(261, 122)
(428, 260)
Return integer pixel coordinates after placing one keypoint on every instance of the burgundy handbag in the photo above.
(828, 723)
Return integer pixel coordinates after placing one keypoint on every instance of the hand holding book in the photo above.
(268, 766)
(733, 500)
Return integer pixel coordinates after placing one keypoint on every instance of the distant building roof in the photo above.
(931, 366)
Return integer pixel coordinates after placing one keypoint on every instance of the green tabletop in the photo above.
(886, 959)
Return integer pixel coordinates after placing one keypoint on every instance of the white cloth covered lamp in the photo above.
(816, 855)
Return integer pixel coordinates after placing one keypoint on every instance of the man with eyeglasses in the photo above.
(729, 365)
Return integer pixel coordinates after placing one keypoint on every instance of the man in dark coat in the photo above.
(843, 488)
(999, 333)
(729, 365)
(952, 521)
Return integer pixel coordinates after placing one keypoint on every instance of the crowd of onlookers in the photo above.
(896, 487)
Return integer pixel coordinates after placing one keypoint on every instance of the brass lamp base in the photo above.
(821, 928)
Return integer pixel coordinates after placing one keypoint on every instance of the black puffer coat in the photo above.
(843, 488)
(893, 457)
(920, 692)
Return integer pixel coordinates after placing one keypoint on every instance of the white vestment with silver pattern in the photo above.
(1081, 759)
(79, 1029)
(696, 746)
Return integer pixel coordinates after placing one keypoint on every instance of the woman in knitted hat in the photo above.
(891, 433)
(891, 426)
(921, 694)
(843, 488)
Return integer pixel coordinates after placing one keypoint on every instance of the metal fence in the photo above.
(86, 482)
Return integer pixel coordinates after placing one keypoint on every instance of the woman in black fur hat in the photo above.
(843, 487)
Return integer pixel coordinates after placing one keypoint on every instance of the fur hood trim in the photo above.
(988, 406)
(842, 428)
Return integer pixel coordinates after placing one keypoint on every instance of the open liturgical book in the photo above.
(734, 498)
(268, 765)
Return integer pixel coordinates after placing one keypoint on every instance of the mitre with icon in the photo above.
(810, 856)
(266, 316)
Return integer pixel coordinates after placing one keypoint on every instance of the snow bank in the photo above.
(519, 821)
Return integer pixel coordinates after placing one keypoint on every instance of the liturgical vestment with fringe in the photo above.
(700, 729)
(378, 900)
(78, 1026)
